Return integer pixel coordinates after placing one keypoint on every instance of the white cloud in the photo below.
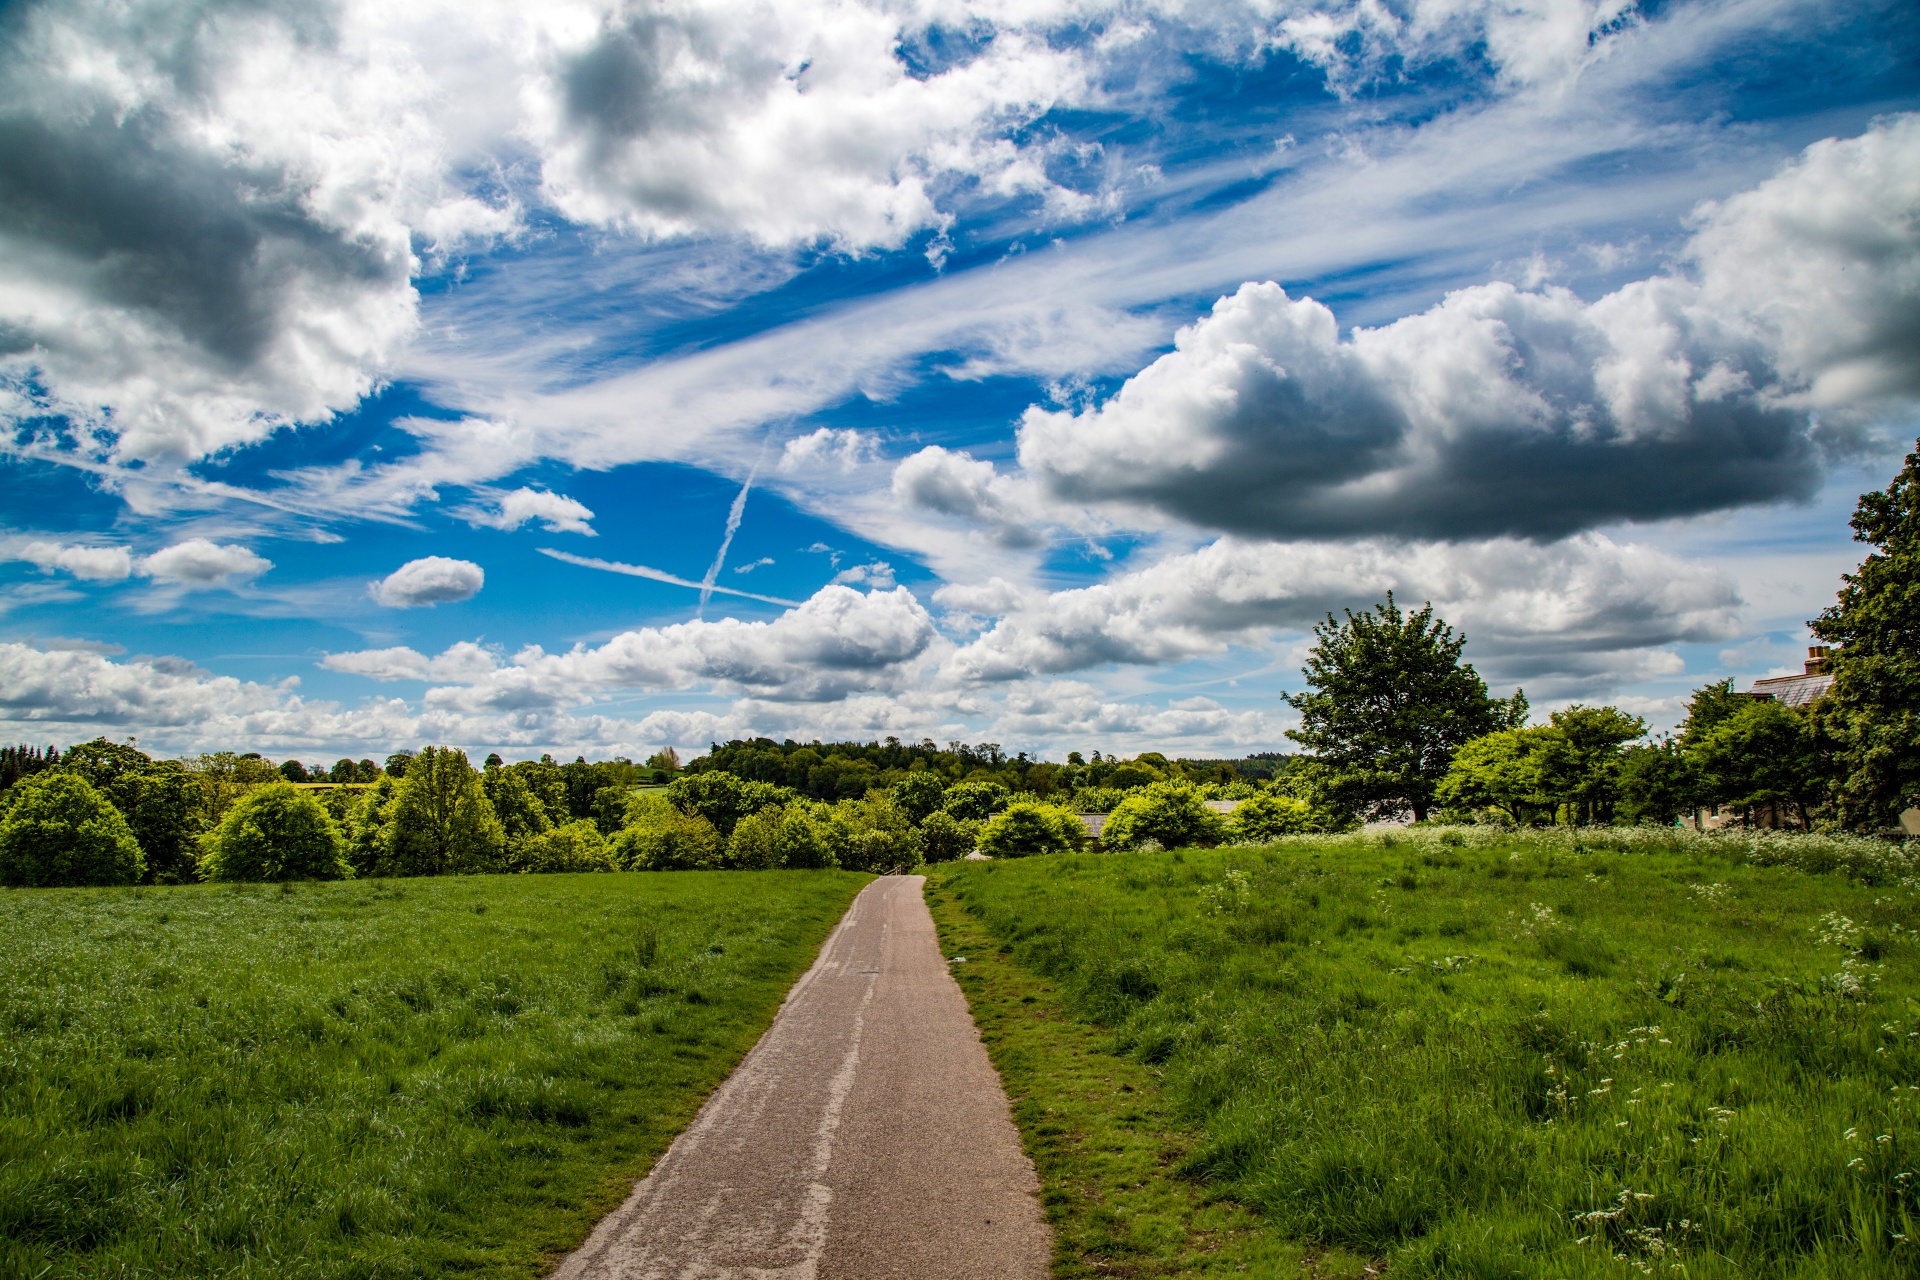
(878, 575)
(429, 580)
(1586, 612)
(555, 512)
(94, 563)
(464, 661)
(749, 567)
(945, 482)
(198, 562)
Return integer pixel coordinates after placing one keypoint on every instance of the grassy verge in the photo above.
(368, 1079)
(1103, 1136)
(1488, 1057)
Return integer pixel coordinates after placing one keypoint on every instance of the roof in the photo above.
(1793, 691)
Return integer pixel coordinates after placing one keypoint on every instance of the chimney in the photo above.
(1817, 659)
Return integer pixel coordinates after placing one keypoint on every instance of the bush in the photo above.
(1268, 816)
(664, 839)
(944, 837)
(1029, 827)
(804, 839)
(873, 835)
(575, 846)
(59, 830)
(276, 832)
(1169, 813)
(975, 801)
(369, 827)
(755, 843)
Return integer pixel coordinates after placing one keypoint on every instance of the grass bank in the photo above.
(1482, 1055)
(373, 1078)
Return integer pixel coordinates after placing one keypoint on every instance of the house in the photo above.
(1798, 691)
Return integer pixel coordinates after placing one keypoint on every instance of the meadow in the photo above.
(1461, 1052)
(368, 1078)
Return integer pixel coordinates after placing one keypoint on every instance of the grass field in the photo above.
(372, 1078)
(1460, 1054)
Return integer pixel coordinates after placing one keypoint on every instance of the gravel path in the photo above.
(865, 1136)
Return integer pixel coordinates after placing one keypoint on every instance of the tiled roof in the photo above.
(1793, 691)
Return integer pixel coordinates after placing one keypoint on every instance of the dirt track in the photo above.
(865, 1136)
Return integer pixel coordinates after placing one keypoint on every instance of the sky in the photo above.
(592, 378)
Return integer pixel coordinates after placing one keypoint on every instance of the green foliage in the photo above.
(872, 835)
(1480, 1053)
(1170, 813)
(60, 830)
(572, 846)
(368, 1080)
(975, 801)
(659, 837)
(1096, 799)
(1874, 705)
(276, 832)
(918, 795)
(755, 842)
(1028, 827)
(609, 807)
(369, 827)
(1655, 784)
(944, 837)
(440, 822)
(160, 800)
(1762, 753)
(1268, 816)
(398, 763)
(722, 799)
(1390, 703)
(1569, 766)
(548, 785)
(806, 839)
(520, 810)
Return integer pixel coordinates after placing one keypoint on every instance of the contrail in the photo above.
(734, 513)
(657, 575)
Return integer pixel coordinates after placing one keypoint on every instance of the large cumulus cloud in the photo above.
(1531, 412)
(1582, 614)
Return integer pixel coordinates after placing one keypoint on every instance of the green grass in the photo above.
(373, 1078)
(1488, 1056)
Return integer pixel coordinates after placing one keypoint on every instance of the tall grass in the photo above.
(1489, 1054)
(367, 1079)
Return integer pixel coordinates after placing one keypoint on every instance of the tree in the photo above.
(1873, 708)
(397, 764)
(573, 847)
(160, 800)
(294, 771)
(1655, 784)
(1390, 704)
(1580, 765)
(60, 830)
(1763, 753)
(975, 801)
(441, 822)
(1027, 827)
(872, 835)
(918, 794)
(520, 812)
(723, 799)
(944, 837)
(755, 843)
(370, 828)
(1169, 813)
(276, 832)
(1500, 771)
(659, 837)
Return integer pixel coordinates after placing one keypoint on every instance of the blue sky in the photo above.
(383, 375)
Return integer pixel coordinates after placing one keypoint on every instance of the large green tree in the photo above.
(441, 821)
(60, 830)
(1873, 709)
(1763, 753)
(276, 832)
(1389, 703)
(160, 800)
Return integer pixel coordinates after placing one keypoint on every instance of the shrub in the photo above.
(1267, 816)
(369, 827)
(975, 801)
(1097, 799)
(755, 843)
(665, 839)
(59, 830)
(803, 839)
(918, 795)
(944, 837)
(276, 832)
(575, 846)
(1168, 813)
(1029, 827)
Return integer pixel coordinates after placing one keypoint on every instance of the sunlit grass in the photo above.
(375, 1078)
(1501, 1055)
